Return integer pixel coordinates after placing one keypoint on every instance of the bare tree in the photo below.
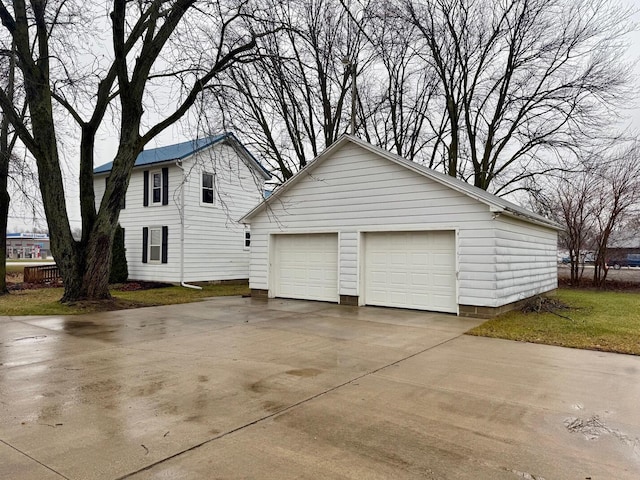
(294, 101)
(521, 79)
(592, 203)
(180, 46)
(616, 196)
(400, 110)
(568, 199)
(7, 144)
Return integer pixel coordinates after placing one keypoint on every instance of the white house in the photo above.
(362, 226)
(181, 210)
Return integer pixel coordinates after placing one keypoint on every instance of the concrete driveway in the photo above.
(238, 389)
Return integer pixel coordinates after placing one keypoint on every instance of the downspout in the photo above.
(182, 222)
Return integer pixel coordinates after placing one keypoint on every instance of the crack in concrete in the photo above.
(284, 410)
(34, 459)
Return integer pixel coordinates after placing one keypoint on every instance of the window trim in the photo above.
(152, 187)
(247, 239)
(150, 246)
(149, 187)
(213, 189)
(147, 245)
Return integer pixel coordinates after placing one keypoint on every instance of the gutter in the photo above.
(182, 222)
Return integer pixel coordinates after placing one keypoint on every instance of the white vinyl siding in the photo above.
(355, 191)
(527, 262)
(214, 241)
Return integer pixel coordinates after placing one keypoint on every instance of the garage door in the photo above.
(306, 266)
(411, 270)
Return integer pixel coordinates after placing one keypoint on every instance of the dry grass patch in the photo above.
(595, 320)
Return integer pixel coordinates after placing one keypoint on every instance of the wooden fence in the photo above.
(42, 274)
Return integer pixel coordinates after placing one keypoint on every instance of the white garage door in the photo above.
(411, 270)
(306, 266)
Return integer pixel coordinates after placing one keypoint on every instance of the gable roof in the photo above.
(496, 204)
(179, 151)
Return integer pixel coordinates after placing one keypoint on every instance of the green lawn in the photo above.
(607, 321)
(45, 301)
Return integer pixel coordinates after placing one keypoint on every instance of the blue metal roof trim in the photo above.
(178, 152)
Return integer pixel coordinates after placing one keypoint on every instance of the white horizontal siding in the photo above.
(348, 263)
(526, 260)
(214, 241)
(135, 216)
(357, 191)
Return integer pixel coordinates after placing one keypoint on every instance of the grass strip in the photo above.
(45, 301)
(606, 321)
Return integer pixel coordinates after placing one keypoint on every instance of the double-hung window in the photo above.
(155, 241)
(155, 244)
(156, 189)
(208, 182)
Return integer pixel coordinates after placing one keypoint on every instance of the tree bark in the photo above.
(5, 156)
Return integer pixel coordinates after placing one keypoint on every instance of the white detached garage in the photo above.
(362, 226)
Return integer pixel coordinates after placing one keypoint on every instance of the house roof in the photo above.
(496, 204)
(179, 151)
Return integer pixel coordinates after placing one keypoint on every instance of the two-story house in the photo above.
(181, 210)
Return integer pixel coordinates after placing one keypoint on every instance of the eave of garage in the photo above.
(497, 205)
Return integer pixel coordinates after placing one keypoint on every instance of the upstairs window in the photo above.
(156, 189)
(207, 187)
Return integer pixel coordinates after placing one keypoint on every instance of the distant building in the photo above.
(28, 245)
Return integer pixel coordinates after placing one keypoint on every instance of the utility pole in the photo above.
(347, 62)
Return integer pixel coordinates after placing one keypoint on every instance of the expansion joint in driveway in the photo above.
(34, 459)
(284, 410)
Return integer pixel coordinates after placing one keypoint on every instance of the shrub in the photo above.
(119, 269)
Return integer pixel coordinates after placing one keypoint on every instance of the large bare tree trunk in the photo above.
(4, 202)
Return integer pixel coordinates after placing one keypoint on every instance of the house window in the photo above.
(207, 187)
(156, 187)
(247, 239)
(155, 242)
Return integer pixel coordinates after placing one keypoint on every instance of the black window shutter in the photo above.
(165, 241)
(165, 186)
(145, 192)
(145, 243)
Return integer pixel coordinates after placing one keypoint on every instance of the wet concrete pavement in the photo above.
(237, 389)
